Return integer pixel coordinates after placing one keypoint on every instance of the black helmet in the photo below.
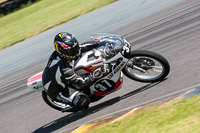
(66, 45)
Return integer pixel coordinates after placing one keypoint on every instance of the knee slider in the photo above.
(81, 100)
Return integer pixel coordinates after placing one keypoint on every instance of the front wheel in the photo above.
(146, 66)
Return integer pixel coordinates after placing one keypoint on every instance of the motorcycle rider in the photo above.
(59, 77)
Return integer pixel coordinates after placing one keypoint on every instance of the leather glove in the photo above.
(95, 43)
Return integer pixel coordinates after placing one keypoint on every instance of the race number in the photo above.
(126, 49)
(104, 85)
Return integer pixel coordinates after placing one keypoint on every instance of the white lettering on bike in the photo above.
(117, 69)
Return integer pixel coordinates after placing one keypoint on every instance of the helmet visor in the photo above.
(72, 51)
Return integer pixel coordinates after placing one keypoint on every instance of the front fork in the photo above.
(135, 67)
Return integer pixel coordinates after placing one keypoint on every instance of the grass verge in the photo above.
(42, 16)
(2, 1)
(180, 117)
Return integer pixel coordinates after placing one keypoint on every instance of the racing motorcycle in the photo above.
(115, 56)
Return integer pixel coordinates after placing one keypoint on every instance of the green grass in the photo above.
(180, 117)
(42, 16)
(2, 1)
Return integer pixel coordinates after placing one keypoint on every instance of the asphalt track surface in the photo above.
(173, 32)
(105, 19)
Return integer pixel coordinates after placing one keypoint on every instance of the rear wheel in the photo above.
(146, 66)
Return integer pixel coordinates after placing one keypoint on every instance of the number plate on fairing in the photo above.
(107, 86)
(104, 85)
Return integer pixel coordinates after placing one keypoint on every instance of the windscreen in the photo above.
(109, 43)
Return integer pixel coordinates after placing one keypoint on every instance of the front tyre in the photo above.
(146, 66)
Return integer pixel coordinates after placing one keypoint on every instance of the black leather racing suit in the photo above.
(59, 75)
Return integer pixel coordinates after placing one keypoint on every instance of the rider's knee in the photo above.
(81, 101)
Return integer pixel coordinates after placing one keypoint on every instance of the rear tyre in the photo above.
(146, 66)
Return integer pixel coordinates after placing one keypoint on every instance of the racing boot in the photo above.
(77, 101)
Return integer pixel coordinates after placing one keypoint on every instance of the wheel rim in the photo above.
(144, 68)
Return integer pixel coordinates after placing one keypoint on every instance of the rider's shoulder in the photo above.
(54, 56)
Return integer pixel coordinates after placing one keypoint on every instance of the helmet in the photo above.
(66, 45)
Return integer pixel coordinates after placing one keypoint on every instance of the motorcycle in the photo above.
(115, 56)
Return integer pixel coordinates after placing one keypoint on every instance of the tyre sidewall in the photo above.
(153, 55)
